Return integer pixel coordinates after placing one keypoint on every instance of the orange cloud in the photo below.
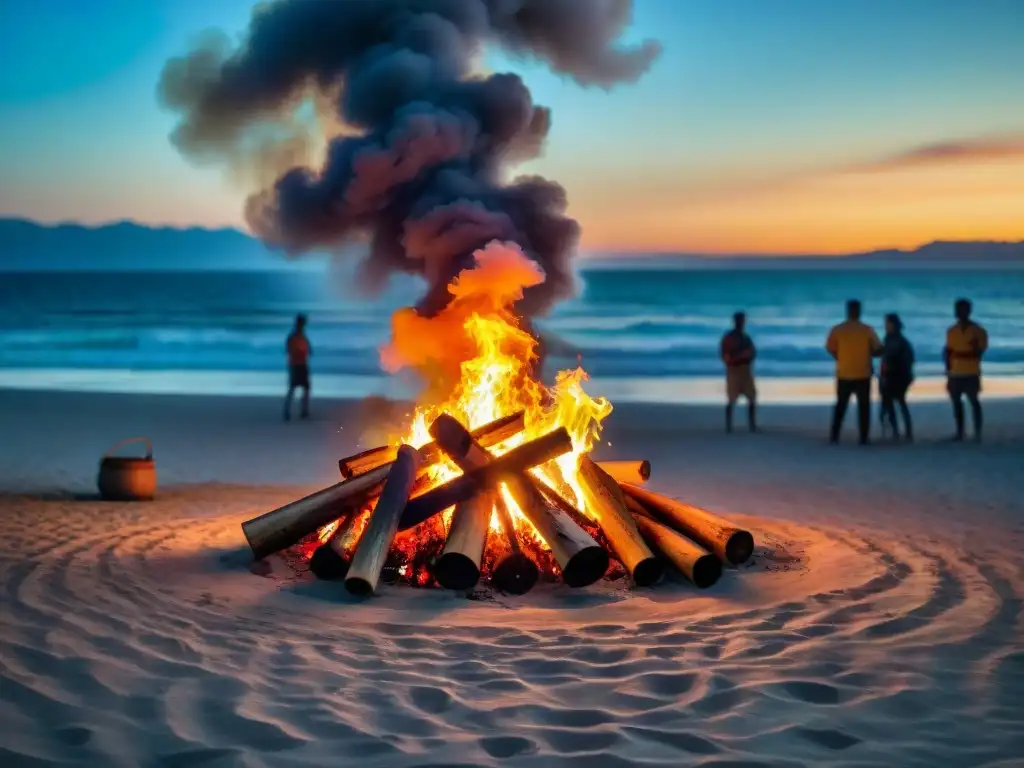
(1009, 147)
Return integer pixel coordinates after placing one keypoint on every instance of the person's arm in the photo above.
(947, 354)
(876, 344)
(751, 350)
(832, 343)
(724, 351)
(981, 342)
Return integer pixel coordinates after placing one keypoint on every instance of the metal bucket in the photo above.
(128, 478)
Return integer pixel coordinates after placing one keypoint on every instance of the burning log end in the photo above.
(459, 564)
(582, 560)
(453, 438)
(331, 559)
(516, 574)
(627, 471)
(328, 565)
(372, 549)
(586, 566)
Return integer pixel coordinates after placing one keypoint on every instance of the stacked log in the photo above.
(607, 503)
(283, 527)
(486, 477)
(731, 544)
(581, 560)
(693, 561)
(372, 549)
(331, 559)
(388, 489)
(458, 567)
(515, 573)
(492, 433)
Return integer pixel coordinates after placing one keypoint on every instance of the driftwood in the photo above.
(580, 558)
(489, 434)
(636, 472)
(515, 573)
(607, 503)
(287, 525)
(519, 459)
(458, 567)
(731, 544)
(372, 549)
(696, 563)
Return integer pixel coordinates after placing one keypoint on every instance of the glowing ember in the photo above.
(478, 363)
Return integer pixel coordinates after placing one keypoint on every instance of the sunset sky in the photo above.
(798, 126)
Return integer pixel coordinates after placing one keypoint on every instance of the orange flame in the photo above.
(477, 362)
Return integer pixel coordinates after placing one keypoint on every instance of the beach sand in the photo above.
(879, 623)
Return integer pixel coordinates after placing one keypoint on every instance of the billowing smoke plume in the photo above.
(420, 140)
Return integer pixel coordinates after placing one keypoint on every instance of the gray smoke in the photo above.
(420, 140)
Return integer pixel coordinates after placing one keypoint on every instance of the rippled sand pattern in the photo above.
(135, 635)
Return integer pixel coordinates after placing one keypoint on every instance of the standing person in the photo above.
(299, 351)
(896, 374)
(966, 342)
(853, 344)
(738, 353)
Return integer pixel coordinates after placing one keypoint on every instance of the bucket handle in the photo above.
(126, 441)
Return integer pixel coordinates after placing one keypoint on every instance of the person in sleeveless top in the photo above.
(966, 342)
(298, 350)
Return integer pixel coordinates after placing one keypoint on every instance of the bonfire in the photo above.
(493, 479)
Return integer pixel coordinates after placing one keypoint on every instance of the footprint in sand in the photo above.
(504, 747)
(430, 700)
(811, 692)
(827, 738)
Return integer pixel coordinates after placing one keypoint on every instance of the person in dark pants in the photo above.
(896, 374)
(966, 342)
(853, 344)
(738, 352)
(299, 351)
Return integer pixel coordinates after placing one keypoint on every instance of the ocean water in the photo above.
(647, 327)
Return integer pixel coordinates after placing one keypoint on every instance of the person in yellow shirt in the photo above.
(966, 342)
(853, 344)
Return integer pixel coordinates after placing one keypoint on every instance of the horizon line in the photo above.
(595, 254)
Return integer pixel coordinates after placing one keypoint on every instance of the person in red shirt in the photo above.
(299, 351)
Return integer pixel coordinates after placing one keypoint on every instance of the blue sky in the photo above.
(750, 132)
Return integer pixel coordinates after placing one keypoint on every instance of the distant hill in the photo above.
(27, 246)
(126, 246)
